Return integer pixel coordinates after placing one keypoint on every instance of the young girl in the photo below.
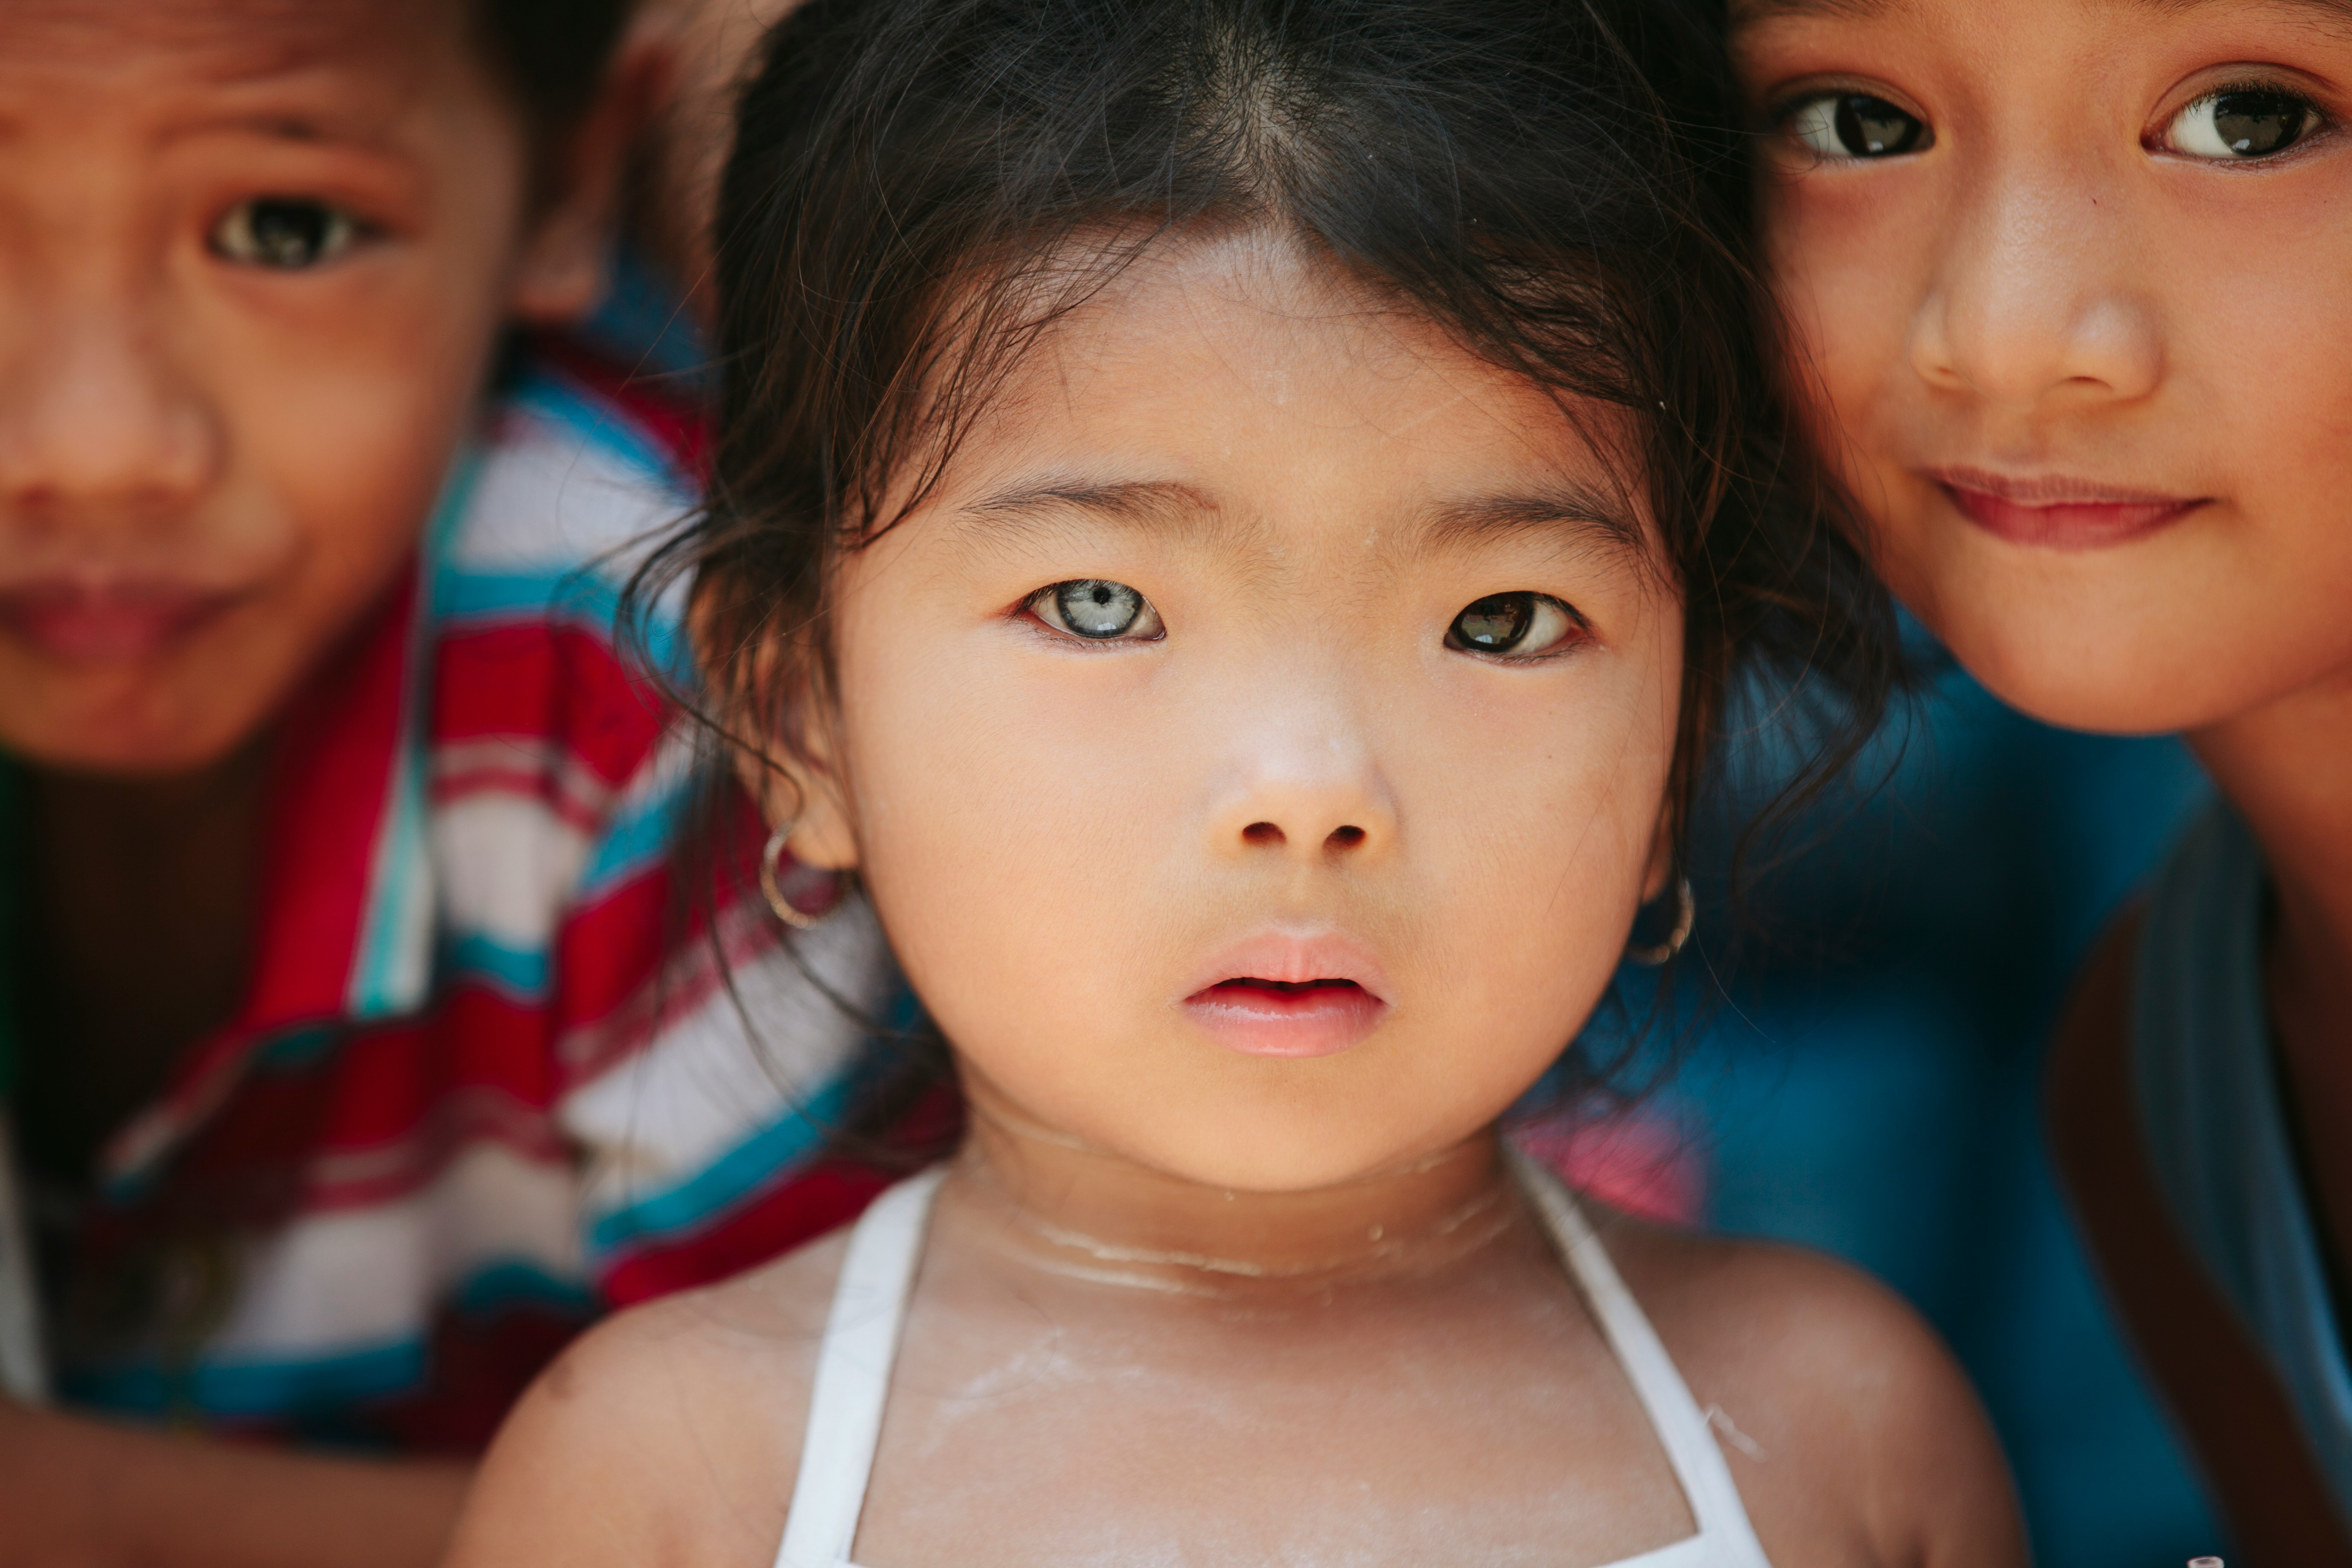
(2084, 350)
(1238, 519)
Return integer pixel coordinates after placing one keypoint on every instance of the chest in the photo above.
(1496, 1429)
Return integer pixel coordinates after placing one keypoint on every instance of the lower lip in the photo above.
(2067, 525)
(105, 629)
(1260, 1020)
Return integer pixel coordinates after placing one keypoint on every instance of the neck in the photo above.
(2288, 769)
(142, 902)
(1058, 1204)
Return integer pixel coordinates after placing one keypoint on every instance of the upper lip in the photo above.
(2052, 489)
(1294, 958)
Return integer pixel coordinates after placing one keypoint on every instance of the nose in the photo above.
(1307, 787)
(2035, 297)
(94, 414)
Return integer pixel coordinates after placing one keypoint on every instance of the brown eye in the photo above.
(284, 235)
(2239, 124)
(1523, 623)
(1856, 125)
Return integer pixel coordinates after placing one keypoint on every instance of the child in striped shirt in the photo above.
(361, 1039)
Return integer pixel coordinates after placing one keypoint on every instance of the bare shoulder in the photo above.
(667, 1435)
(1852, 1434)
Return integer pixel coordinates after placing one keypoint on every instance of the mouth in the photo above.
(2058, 512)
(1291, 997)
(115, 623)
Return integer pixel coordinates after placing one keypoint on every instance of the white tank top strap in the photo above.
(853, 1375)
(1725, 1539)
(869, 1311)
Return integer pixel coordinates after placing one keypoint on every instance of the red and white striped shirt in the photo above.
(483, 1087)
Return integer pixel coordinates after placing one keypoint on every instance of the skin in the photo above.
(1160, 1264)
(219, 469)
(2056, 283)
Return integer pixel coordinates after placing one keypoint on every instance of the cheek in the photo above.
(354, 449)
(350, 404)
(345, 438)
(2268, 370)
(1847, 270)
(1539, 822)
(1014, 835)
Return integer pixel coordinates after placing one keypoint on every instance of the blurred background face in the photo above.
(2075, 280)
(1257, 748)
(714, 46)
(253, 259)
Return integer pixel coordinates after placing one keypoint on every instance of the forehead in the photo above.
(94, 52)
(1219, 385)
(1254, 330)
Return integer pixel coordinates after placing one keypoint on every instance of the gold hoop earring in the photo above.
(1686, 917)
(772, 889)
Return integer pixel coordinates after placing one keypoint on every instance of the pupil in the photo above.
(1874, 128)
(289, 234)
(1496, 623)
(2253, 123)
(1097, 609)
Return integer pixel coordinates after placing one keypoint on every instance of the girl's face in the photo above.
(2075, 279)
(1255, 748)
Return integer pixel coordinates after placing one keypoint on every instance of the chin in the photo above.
(2119, 683)
(136, 738)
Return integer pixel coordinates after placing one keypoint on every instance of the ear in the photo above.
(563, 270)
(804, 790)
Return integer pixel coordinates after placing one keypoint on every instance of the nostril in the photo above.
(1265, 833)
(1345, 837)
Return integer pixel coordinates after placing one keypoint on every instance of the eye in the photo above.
(284, 233)
(2238, 123)
(1525, 625)
(1856, 125)
(1098, 610)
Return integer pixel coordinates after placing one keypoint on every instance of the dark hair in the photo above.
(552, 53)
(919, 187)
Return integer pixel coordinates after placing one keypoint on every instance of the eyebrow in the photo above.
(1582, 516)
(1144, 501)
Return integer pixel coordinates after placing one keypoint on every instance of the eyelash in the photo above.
(2323, 122)
(1576, 635)
(1781, 120)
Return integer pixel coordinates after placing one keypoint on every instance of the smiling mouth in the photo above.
(1288, 1018)
(2056, 512)
(75, 625)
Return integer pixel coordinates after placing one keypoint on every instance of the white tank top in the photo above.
(869, 1306)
